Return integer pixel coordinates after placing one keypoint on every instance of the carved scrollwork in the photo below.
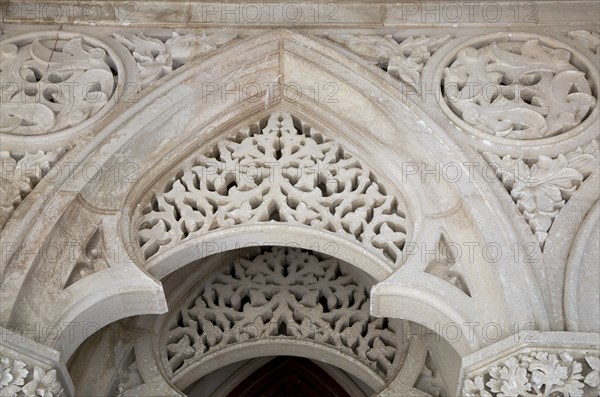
(156, 58)
(518, 89)
(283, 294)
(404, 60)
(590, 40)
(541, 187)
(538, 374)
(20, 174)
(278, 171)
(128, 375)
(20, 379)
(53, 82)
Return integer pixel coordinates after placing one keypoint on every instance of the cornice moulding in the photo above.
(305, 14)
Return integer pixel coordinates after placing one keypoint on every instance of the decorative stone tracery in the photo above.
(53, 81)
(279, 170)
(20, 174)
(403, 58)
(541, 188)
(282, 294)
(523, 89)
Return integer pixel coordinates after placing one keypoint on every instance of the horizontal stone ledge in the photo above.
(317, 14)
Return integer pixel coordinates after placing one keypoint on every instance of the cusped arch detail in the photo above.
(174, 118)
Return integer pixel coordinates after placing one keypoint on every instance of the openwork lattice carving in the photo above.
(278, 171)
(19, 175)
(541, 187)
(283, 293)
(156, 58)
(22, 380)
(53, 83)
(519, 90)
(538, 374)
(404, 60)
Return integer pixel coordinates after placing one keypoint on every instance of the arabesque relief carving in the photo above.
(53, 83)
(518, 89)
(283, 293)
(538, 373)
(277, 171)
(156, 58)
(591, 40)
(20, 174)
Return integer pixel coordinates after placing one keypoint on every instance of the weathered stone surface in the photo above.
(391, 190)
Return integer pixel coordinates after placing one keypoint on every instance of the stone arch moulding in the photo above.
(186, 120)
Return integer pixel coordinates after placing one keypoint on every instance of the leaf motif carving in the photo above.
(404, 60)
(541, 187)
(591, 40)
(156, 58)
(282, 293)
(518, 90)
(19, 174)
(20, 379)
(54, 83)
(533, 374)
(275, 173)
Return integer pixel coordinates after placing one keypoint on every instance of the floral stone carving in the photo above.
(590, 40)
(19, 379)
(519, 90)
(51, 84)
(538, 374)
(278, 171)
(19, 175)
(156, 58)
(283, 293)
(404, 60)
(541, 187)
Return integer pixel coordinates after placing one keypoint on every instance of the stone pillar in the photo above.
(534, 363)
(31, 369)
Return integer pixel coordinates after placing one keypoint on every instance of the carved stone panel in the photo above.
(278, 170)
(518, 89)
(54, 81)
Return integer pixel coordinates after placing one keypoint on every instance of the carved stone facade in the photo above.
(410, 204)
